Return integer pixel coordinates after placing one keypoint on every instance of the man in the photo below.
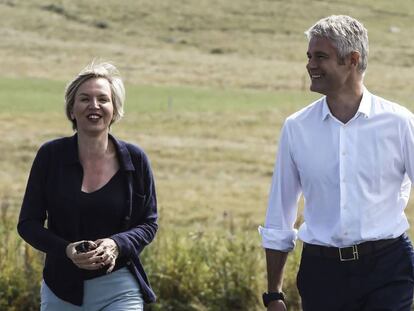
(351, 155)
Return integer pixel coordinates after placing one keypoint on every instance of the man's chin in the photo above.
(316, 89)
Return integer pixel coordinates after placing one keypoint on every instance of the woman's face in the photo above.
(93, 109)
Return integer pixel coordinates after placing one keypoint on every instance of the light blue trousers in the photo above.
(117, 291)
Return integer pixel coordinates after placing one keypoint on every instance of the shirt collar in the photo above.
(364, 106)
(123, 154)
(71, 155)
(325, 109)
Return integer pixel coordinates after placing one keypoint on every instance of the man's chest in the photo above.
(333, 153)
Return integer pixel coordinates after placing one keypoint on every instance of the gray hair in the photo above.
(346, 33)
(97, 70)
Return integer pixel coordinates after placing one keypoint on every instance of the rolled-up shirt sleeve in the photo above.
(278, 231)
(408, 147)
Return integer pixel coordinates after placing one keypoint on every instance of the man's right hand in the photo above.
(277, 305)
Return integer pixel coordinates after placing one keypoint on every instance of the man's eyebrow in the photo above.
(317, 53)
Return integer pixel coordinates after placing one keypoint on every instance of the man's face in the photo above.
(328, 73)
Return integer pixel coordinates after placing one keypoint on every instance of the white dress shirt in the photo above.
(355, 177)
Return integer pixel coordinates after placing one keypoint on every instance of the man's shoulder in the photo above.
(309, 112)
(382, 106)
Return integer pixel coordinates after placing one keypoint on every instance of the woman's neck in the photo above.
(93, 147)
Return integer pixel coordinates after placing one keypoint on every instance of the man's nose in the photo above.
(311, 64)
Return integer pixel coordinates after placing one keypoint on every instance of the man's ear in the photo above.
(354, 58)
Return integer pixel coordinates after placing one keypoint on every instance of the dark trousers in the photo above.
(382, 281)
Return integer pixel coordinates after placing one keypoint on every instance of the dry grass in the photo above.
(213, 147)
(238, 44)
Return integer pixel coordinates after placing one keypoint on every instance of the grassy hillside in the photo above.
(209, 83)
(237, 44)
(212, 151)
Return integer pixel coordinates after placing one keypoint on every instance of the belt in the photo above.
(349, 253)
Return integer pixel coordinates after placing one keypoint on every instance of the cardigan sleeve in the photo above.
(144, 222)
(33, 213)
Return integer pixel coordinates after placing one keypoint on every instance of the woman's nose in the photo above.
(95, 103)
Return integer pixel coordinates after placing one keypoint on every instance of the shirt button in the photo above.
(343, 153)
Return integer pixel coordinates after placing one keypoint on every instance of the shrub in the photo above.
(221, 270)
(215, 271)
(204, 272)
(20, 268)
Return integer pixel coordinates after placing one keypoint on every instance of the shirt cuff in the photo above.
(121, 243)
(281, 240)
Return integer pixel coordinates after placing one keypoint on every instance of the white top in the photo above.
(355, 177)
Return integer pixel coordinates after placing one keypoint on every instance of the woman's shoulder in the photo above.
(135, 149)
(132, 151)
(57, 144)
(131, 148)
(57, 148)
(60, 141)
(137, 153)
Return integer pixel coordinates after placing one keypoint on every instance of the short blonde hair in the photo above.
(97, 70)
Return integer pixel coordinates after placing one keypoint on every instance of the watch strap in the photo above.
(272, 296)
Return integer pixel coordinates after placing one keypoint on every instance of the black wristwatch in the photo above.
(269, 297)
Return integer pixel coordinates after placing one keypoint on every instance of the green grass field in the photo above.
(212, 151)
(209, 83)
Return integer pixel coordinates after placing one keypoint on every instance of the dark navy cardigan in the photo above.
(51, 193)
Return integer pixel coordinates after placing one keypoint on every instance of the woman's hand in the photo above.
(89, 260)
(102, 253)
(108, 250)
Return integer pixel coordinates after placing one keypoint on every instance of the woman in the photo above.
(97, 194)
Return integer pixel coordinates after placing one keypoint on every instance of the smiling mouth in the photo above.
(94, 117)
(315, 76)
